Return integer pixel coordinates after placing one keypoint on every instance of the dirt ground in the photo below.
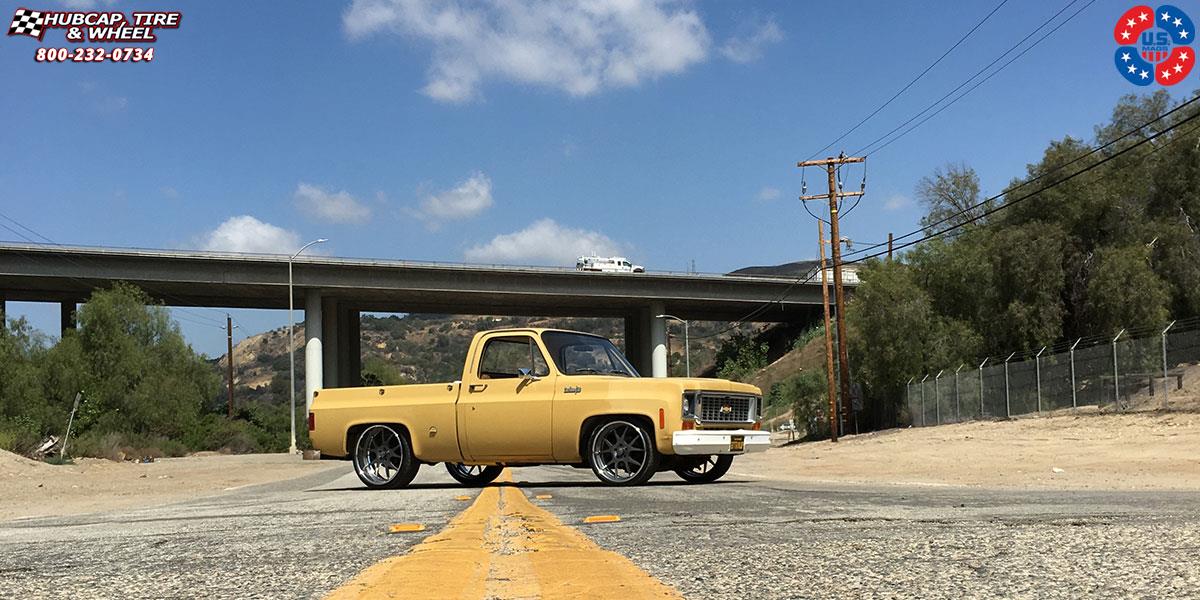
(1148, 451)
(32, 489)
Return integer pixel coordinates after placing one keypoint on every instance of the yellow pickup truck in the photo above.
(541, 396)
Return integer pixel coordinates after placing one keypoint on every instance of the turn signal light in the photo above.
(312, 421)
(757, 425)
(662, 419)
(688, 424)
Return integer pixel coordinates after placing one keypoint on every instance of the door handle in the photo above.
(476, 387)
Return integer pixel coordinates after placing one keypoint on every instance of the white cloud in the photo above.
(247, 234)
(329, 207)
(579, 48)
(768, 194)
(169, 192)
(101, 100)
(749, 46)
(467, 199)
(896, 202)
(544, 242)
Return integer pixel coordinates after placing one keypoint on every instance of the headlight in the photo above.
(689, 405)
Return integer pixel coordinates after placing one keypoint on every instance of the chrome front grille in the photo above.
(724, 408)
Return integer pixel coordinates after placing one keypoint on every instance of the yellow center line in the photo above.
(503, 546)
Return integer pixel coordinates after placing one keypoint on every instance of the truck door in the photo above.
(504, 415)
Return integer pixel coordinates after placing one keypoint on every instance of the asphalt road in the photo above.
(747, 537)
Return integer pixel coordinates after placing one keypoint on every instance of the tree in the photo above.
(740, 357)
(1124, 291)
(141, 377)
(1026, 307)
(25, 415)
(950, 196)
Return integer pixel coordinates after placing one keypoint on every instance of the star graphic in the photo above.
(1143, 16)
(1166, 74)
(1145, 74)
(1178, 22)
(1183, 34)
(1178, 68)
(1183, 56)
(1124, 35)
(1166, 16)
(1125, 56)
(1131, 23)
(1132, 69)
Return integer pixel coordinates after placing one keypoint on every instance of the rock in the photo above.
(1058, 470)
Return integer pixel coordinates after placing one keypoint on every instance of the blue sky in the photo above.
(495, 133)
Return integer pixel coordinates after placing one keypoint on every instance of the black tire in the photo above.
(383, 457)
(622, 452)
(706, 470)
(474, 475)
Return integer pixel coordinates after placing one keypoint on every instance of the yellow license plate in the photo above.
(737, 443)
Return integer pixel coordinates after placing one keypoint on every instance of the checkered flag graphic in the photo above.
(27, 22)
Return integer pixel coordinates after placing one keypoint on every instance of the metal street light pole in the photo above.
(291, 341)
(687, 353)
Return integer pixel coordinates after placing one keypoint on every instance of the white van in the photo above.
(610, 264)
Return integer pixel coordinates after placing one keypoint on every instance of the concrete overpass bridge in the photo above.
(332, 292)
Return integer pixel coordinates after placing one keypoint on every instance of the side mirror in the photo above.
(527, 375)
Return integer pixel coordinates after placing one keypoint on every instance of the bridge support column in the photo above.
(66, 317)
(314, 358)
(349, 351)
(658, 340)
(329, 342)
(634, 342)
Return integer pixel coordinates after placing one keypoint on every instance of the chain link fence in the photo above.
(1132, 371)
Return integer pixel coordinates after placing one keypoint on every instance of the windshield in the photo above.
(581, 354)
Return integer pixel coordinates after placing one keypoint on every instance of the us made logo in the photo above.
(1154, 45)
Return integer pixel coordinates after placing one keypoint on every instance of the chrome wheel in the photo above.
(382, 458)
(622, 453)
(707, 469)
(473, 474)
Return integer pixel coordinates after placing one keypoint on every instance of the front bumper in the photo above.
(716, 441)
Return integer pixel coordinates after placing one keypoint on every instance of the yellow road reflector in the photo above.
(601, 519)
(543, 497)
(463, 498)
(405, 528)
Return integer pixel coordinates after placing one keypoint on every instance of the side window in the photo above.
(504, 357)
(586, 358)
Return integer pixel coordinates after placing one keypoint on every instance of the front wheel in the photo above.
(383, 458)
(473, 475)
(706, 470)
(622, 453)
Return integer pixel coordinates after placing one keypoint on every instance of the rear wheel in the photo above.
(707, 469)
(622, 453)
(383, 458)
(473, 474)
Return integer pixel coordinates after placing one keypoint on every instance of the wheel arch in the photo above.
(591, 423)
(356, 430)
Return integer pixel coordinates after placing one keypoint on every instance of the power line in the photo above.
(1044, 175)
(867, 150)
(1025, 197)
(951, 230)
(912, 82)
(211, 322)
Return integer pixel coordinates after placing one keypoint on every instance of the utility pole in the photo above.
(889, 246)
(229, 360)
(835, 194)
(829, 377)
